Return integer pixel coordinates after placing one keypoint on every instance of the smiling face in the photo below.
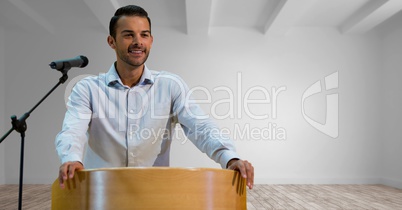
(133, 41)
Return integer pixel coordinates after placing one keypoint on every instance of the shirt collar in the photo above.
(112, 78)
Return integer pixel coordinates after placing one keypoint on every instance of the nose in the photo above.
(137, 41)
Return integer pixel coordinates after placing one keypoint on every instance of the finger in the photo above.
(248, 171)
(241, 167)
(61, 182)
(252, 179)
(63, 171)
(250, 174)
(62, 175)
(71, 170)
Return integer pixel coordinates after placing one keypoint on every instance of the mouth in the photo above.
(135, 52)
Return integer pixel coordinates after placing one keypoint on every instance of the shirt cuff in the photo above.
(71, 158)
(227, 156)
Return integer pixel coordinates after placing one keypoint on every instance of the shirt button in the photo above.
(131, 111)
(132, 154)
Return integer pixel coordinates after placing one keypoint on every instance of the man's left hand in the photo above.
(245, 168)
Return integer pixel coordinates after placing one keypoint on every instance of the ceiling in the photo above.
(198, 16)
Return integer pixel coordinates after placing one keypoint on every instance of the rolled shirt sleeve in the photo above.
(200, 129)
(70, 141)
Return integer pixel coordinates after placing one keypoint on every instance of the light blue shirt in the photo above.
(133, 126)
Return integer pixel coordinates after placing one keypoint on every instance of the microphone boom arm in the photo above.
(17, 123)
(20, 126)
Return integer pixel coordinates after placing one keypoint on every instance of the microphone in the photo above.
(63, 65)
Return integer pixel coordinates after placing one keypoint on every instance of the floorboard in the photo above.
(38, 197)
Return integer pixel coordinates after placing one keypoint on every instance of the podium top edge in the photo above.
(155, 168)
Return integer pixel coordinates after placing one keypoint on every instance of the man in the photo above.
(127, 115)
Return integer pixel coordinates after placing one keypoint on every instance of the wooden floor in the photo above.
(261, 197)
(324, 197)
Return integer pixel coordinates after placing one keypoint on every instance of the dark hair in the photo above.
(129, 10)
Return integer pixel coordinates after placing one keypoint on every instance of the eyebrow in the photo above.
(131, 31)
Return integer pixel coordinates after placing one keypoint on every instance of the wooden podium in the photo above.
(151, 188)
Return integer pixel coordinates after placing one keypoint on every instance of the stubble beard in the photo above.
(126, 59)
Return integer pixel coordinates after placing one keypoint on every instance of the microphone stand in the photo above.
(20, 126)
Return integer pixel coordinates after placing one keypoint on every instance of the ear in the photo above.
(152, 40)
(111, 42)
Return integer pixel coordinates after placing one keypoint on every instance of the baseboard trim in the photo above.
(318, 181)
(391, 182)
(384, 181)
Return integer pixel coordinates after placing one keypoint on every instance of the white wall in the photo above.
(2, 105)
(391, 112)
(28, 79)
(294, 61)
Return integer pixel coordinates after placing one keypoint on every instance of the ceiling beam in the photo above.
(285, 15)
(370, 15)
(32, 14)
(198, 15)
(103, 10)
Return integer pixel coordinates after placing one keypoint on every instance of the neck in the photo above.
(129, 75)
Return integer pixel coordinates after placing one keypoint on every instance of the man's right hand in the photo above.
(68, 169)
